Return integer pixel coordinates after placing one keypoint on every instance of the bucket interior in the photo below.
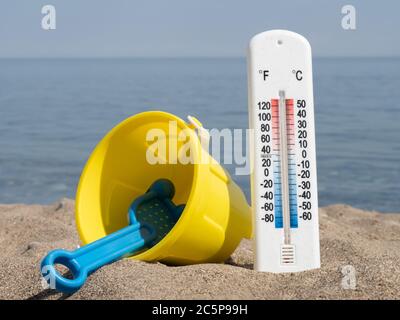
(125, 172)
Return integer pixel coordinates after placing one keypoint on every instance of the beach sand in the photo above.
(368, 241)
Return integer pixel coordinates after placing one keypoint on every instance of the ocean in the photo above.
(54, 111)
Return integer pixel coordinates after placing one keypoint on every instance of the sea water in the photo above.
(54, 111)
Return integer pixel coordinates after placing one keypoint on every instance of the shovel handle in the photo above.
(89, 258)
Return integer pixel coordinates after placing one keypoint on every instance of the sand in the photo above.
(368, 241)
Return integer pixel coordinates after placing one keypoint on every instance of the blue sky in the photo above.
(176, 28)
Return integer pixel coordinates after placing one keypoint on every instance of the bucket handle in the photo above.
(202, 133)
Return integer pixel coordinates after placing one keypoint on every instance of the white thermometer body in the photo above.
(284, 175)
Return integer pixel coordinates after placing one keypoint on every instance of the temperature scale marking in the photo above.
(276, 156)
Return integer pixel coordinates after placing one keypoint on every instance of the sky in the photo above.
(188, 28)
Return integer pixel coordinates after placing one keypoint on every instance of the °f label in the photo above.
(284, 177)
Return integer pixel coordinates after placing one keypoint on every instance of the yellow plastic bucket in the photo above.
(216, 215)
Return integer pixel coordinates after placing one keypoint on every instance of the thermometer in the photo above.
(284, 175)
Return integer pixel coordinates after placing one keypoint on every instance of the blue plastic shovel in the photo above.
(151, 217)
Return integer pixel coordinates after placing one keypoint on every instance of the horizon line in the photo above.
(188, 57)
